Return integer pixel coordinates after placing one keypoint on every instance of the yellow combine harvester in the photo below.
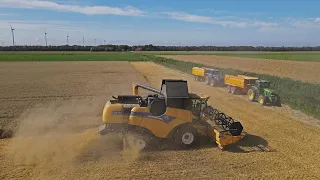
(171, 113)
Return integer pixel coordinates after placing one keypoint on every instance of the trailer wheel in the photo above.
(228, 89)
(233, 90)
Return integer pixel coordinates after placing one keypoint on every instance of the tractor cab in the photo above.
(216, 72)
(262, 84)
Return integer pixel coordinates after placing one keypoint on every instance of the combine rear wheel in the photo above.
(185, 137)
(140, 143)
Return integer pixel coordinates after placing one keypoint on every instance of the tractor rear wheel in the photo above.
(251, 95)
(262, 100)
(278, 102)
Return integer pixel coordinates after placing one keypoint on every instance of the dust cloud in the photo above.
(60, 136)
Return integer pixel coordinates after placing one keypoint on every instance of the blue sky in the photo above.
(165, 22)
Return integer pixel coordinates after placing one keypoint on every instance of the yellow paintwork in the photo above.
(109, 117)
(221, 138)
(237, 81)
(224, 139)
(135, 91)
(261, 100)
(136, 120)
(198, 71)
(251, 95)
(158, 127)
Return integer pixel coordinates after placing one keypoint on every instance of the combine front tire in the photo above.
(251, 95)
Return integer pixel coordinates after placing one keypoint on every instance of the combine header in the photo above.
(171, 113)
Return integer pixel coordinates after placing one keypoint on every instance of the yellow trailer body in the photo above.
(239, 81)
(197, 71)
(234, 81)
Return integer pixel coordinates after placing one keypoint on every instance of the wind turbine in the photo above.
(83, 41)
(12, 29)
(95, 41)
(45, 36)
(104, 42)
(67, 39)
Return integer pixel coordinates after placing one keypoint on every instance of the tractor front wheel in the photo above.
(262, 100)
(212, 82)
(251, 95)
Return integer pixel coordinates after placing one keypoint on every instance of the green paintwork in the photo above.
(261, 87)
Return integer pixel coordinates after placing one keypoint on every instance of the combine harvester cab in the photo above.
(171, 113)
(212, 77)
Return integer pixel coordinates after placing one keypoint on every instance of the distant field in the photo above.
(129, 56)
(69, 56)
(294, 56)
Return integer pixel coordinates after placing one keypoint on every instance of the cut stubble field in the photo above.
(297, 70)
(55, 107)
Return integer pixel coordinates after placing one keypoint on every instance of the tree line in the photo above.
(150, 47)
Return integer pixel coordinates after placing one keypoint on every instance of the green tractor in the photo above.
(261, 92)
